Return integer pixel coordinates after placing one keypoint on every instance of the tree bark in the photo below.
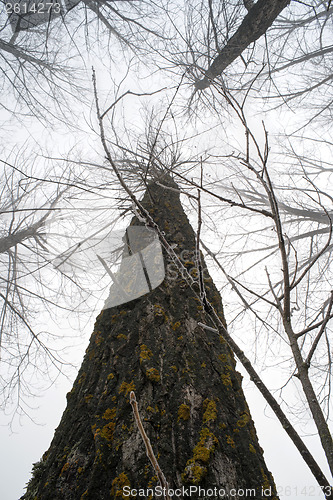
(189, 394)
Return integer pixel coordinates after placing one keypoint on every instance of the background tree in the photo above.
(222, 36)
(44, 66)
(28, 203)
(44, 212)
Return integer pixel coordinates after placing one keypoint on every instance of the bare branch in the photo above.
(321, 331)
(149, 450)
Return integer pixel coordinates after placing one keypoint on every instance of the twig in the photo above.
(312, 327)
(149, 450)
(129, 92)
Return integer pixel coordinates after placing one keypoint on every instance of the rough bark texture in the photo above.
(189, 395)
(259, 18)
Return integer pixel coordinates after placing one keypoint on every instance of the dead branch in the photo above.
(149, 450)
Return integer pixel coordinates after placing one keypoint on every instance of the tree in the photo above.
(44, 64)
(37, 202)
(255, 51)
(27, 204)
(189, 393)
(259, 74)
(269, 39)
(283, 292)
(217, 326)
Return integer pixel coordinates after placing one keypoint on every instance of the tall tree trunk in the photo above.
(189, 394)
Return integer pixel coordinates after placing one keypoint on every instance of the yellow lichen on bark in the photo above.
(210, 413)
(183, 412)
